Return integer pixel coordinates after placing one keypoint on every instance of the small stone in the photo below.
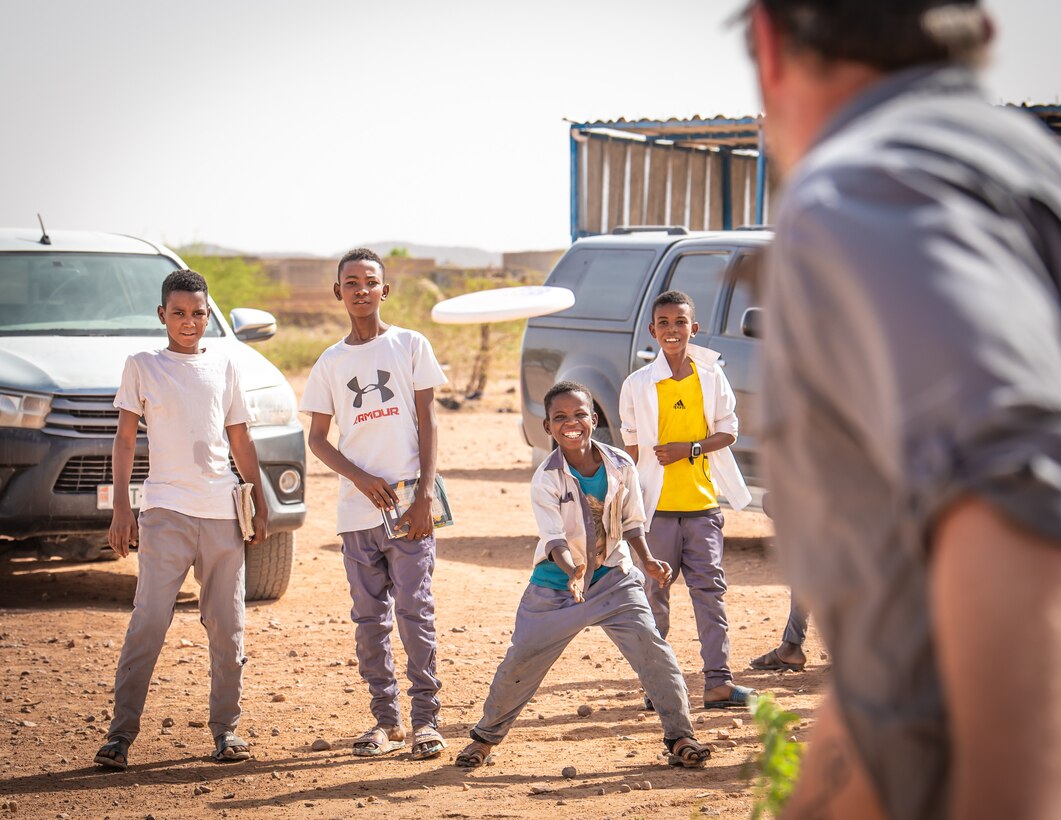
(699, 720)
(569, 772)
(279, 697)
(647, 785)
(293, 653)
(538, 790)
(90, 718)
(723, 734)
(274, 775)
(29, 724)
(561, 802)
(229, 796)
(186, 643)
(737, 723)
(586, 658)
(637, 787)
(320, 745)
(465, 787)
(823, 656)
(168, 722)
(63, 816)
(731, 744)
(351, 661)
(585, 710)
(275, 732)
(625, 789)
(641, 717)
(601, 792)
(196, 724)
(252, 733)
(459, 629)
(70, 644)
(631, 754)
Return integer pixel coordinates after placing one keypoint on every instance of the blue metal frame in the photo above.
(760, 181)
(727, 190)
(575, 192)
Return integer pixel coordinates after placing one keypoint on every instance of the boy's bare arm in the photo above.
(123, 530)
(245, 454)
(659, 571)
(378, 491)
(418, 516)
(576, 584)
(632, 451)
(677, 450)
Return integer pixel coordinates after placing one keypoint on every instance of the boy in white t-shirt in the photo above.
(192, 402)
(378, 383)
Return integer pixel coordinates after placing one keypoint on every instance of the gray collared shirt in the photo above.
(912, 355)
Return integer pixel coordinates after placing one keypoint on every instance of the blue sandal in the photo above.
(738, 699)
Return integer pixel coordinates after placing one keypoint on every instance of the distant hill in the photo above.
(443, 254)
(463, 257)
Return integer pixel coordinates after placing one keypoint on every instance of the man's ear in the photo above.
(652, 330)
(162, 314)
(336, 290)
(694, 328)
(593, 421)
(766, 40)
(386, 291)
(545, 424)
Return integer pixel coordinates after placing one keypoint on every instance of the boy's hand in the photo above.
(261, 526)
(577, 584)
(123, 531)
(416, 521)
(669, 453)
(378, 491)
(658, 571)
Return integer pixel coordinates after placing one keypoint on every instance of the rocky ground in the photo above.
(61, 628)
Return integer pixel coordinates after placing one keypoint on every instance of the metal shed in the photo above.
(703, 173)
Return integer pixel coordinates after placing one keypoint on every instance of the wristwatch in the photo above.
(696, 450)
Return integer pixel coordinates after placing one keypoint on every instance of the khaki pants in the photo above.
(171, 543)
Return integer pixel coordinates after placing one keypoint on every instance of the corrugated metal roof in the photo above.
(742, 132)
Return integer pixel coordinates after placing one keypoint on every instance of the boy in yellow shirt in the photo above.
(679, 419)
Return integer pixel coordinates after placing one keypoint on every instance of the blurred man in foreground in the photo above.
(912, 407)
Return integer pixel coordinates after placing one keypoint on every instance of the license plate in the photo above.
(105, 496)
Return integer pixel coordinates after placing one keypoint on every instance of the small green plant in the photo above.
(777, 765)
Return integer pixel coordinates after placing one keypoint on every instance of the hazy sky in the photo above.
(266, 125)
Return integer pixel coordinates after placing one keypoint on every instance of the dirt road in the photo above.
(61, 628)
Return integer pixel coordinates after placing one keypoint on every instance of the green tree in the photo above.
(399, 253)
(235, 281)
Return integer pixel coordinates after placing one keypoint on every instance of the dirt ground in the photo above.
(62, 624)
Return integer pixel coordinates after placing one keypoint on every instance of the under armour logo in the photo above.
(385, 393)
(679, 405)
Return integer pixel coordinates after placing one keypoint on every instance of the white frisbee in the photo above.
(502, 305)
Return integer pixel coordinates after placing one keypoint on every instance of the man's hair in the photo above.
(886, 34)
(183, 280)
(560, 388)
(674, 297)
(360, 255)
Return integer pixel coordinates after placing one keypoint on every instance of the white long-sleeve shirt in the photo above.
(639, 418)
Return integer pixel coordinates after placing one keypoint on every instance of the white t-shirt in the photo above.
(369, 389)
(186, 402)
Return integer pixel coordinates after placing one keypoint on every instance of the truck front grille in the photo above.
(82, 474)
(81, 416)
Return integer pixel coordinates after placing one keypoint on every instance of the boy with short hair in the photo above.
(378, 383)
(193, 404)
(679, 419)
(587, 504)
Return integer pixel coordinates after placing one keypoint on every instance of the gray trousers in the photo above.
(692, 545)
(546, 622)
(171, 543)
(796, 628)
(388, 578)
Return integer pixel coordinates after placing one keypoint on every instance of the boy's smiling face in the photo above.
(570, 421)
(672, 327)
(361, 288)
(185, 316)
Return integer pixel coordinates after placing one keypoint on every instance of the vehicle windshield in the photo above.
(83, 294)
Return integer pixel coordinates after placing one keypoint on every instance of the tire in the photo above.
(269, 565)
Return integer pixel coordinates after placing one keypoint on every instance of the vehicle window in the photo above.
(745, 294)
(94, 294)
(606, 283)
(700, 276)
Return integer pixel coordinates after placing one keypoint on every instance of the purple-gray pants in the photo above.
(692, 545)
(394, 576)
(548, 620)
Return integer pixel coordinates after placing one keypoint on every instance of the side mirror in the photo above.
(751, 323)
(252, 325)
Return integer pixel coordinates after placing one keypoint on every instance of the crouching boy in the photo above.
(588, 507)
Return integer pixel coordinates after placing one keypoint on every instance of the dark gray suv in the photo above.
(604, 337)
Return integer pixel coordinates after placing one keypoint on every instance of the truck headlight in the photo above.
(23, 409)
(272, 406)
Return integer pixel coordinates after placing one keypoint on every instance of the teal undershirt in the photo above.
(547, 573)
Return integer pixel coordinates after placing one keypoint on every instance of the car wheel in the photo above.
(268, 566)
